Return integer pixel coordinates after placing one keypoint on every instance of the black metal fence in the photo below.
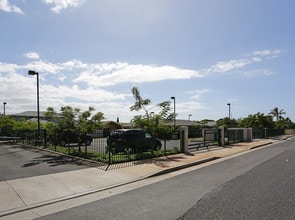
(203, 138)
(266, 133)
(100, 149)
(97, 150)
(232, 136)
(30, 137)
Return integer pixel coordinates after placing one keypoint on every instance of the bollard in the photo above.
(221, 136)
(184, 139)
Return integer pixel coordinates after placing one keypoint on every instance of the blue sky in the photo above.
(206, 53)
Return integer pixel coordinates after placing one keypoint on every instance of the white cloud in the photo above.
(42, 67)
(195, 95)
(226, 66)
(190, 106)
(267, 52)
(8, 68)
(97, 75)
(32, 55)
(258, 72)
(59, 5)
(235, 64)
(7, 7)
(88, 95)
(111, 74)
(82, 84)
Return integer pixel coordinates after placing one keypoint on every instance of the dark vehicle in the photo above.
(68, 138)
(136, 140)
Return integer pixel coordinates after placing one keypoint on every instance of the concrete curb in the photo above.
(172, 169)
(262, 145)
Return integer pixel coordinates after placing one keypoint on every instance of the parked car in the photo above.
(69, 137)
(135, 140)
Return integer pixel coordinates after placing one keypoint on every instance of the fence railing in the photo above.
(100, 150)
(267, 133)
(97, 150)
(233, 136)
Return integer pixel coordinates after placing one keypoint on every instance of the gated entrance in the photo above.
(210, 137)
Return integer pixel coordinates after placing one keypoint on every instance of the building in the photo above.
(28, 115)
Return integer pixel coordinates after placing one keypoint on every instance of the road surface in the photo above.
(256, 185)
(20, 162)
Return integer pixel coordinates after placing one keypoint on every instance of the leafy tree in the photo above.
(51, 117)
(73, 120)
(258, 120)
(26, 125)
(284, 123)
(153, 123)
(226, 123)
(276, 113)
(139, 102)
(7, 124)
(88, 122)
(83, 121)
(67, 119)
(96, 121)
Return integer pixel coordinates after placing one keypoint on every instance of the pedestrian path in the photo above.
(22, 194)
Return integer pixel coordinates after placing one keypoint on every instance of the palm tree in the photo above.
(277, 113)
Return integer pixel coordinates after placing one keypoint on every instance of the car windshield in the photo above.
(115, 133)
(147, 135)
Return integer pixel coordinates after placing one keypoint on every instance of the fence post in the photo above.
(184, 139)
(221, 136)
(45, 138)
(109, 154)
(165, 142)
(250, 134)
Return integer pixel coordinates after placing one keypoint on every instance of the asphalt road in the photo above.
(20, 162)
(256, 185)
(265, 192)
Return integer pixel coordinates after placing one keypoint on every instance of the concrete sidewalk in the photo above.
(23, 194)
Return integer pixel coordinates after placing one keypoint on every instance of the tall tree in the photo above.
(74, 120)
(139, 102)
(276, 113)
(154, 123)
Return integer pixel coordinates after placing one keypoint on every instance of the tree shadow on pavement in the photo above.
(53, 160)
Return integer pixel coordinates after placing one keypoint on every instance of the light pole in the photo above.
(174, 117)
(4, 103)
(189, 117)
(31, 72)
(228, 110)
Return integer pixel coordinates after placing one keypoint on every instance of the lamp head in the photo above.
(31, 72)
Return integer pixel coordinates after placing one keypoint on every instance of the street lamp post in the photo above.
(4, 103)
(228, 110)
(31, 72)
(174, 117)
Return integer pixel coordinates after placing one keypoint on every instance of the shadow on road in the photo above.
(53, 160)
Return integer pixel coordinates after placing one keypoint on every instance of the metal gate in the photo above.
(210, 137)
